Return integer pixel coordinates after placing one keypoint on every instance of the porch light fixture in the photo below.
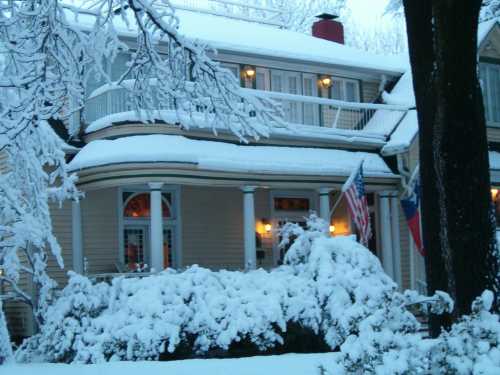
(494, 193)
(263, 226)
(249, 72)
(332, 229)
(325, 81)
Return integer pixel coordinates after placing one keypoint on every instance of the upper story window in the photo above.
(345, 89)
(490, 82)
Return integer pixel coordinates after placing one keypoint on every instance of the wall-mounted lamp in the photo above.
(263, 226)
(267, 225)
(494, 193)
(249, 72)
(325, 82)
(332, 229)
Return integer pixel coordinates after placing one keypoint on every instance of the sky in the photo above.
(367, 11)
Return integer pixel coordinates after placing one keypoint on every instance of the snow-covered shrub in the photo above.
(332, 286)
(470, 347)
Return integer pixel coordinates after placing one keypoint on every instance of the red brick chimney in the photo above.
(329, 29)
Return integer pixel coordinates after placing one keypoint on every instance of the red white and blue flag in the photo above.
(354, 191)
(411, 208)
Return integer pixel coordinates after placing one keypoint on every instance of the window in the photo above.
(233, 68)
(290, 83)
(345, 89)
(310, 88)
(138, 206)
(136, 230)
(490, 82)
(291, 204)
(262, 81)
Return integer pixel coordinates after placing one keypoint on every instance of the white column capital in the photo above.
(248, 189)
(388, 193)
(155, 185)
(324, 190)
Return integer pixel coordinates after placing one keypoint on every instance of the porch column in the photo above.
(77, 238)
(324, 204)
(156, 226)
(249, 227)
(385, 235)
(396, 244)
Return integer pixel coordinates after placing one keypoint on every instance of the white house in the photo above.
(157, 195)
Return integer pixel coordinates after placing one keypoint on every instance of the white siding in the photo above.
(212, 230)
(100, 230)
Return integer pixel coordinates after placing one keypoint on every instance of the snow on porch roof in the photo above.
(219, 156)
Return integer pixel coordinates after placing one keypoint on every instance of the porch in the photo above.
(149, 227)
(160, 201)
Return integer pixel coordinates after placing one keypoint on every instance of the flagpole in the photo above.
(342, 190)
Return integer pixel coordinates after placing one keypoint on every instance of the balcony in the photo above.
(299, 110)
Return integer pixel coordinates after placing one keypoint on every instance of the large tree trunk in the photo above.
(458, 228)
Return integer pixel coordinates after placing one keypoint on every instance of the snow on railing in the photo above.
(298, 109)
(236, 9)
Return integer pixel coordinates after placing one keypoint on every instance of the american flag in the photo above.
(354, 191)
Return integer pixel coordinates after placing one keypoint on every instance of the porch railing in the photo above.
(298, 109)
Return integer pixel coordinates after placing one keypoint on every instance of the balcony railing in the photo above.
(237, 9)
(298, 109)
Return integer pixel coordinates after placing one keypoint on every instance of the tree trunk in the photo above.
(458, 228)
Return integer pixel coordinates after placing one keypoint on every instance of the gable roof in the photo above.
(484, 29)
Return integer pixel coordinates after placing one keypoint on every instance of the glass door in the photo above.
(293, 86)
(169, 258)
(136, 245)
(311, 111)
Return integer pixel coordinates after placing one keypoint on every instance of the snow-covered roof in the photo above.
(484, 29)
(403, 94)
(233, 35)
(373, 135)
(403, 136)
(218, 156)
(253, 38)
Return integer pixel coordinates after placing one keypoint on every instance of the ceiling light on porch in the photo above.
(249, 71)
(332, 229)
(325, 81)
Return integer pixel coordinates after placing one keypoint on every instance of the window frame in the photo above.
(174, 223)
(485, 67)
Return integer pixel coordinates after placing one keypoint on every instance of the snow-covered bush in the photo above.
(470, 347)
(332, 286)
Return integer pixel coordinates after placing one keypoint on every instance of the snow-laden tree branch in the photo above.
(50, 50)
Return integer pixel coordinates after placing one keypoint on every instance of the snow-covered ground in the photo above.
(287, 364)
